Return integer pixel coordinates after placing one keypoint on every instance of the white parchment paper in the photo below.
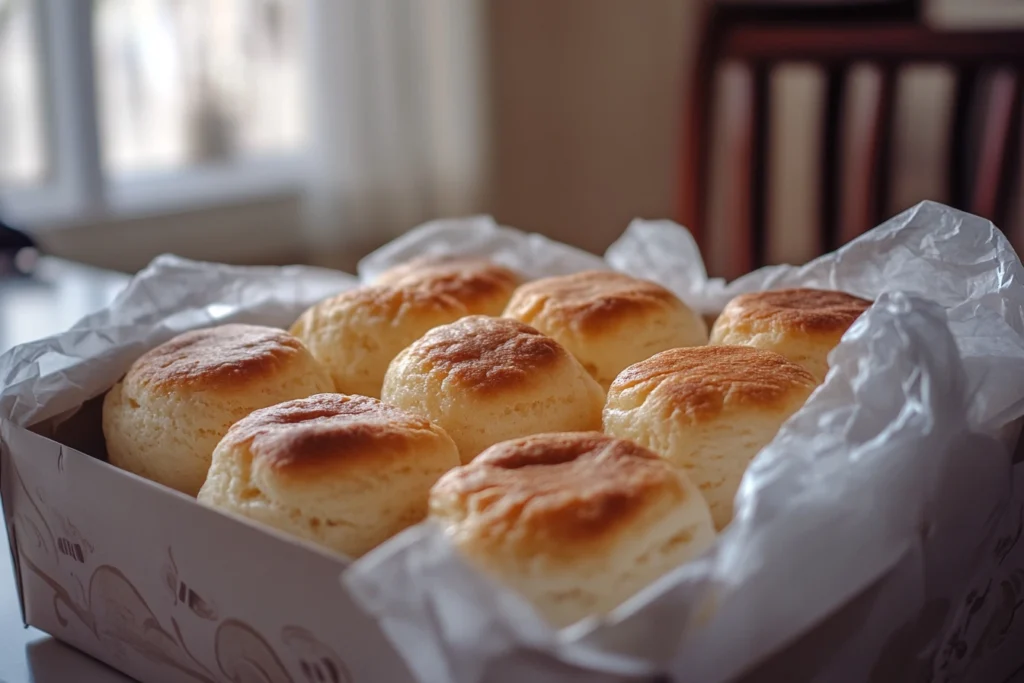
(891, 480)
(890, 490)
(172, 295)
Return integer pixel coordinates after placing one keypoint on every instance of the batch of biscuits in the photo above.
(575, 436)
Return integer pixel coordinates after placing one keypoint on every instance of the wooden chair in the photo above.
(984, 136)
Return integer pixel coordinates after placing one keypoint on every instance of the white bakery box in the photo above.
(876, 539)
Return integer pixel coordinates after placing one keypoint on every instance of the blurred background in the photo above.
(274, 131)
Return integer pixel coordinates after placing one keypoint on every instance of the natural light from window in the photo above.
(114, 109)
(22, 151)
(183, 83)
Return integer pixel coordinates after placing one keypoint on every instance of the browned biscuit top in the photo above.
(217, 358)
(476, 282)
(805, 311)
(590, 301)
(328, 434)
(488, 354)
(701, 382)
(555, 493)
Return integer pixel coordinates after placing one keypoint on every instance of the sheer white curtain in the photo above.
(399, 119)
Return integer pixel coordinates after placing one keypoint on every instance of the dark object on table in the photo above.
(18, 252)
(983, 140)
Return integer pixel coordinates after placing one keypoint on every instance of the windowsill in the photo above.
(206, 187)
(264, 230)
(158, 194)
(249, 211)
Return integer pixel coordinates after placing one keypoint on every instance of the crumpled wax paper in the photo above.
(887, 489)
(49, 377)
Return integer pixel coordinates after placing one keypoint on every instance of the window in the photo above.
(188, 82)
(119, 107)
(21, 136)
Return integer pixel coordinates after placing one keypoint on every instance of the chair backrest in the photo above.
(984, 136)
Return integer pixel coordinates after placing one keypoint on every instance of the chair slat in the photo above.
(761, 127)
(830, 155)
(1010, 169)
(880, 144)
(855, 157)
(995, 136)
(959, 178)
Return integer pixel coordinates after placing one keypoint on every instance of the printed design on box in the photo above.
(1007, 543)
(69, 541)
(319, 663)
(922, 651)
(183, 594)
(1009, 601)
(120, 618)
(244, 656)
(992, 613)
(1001, 602)
(62, 539)
(58, 541)
(31, 524)
(111, 608)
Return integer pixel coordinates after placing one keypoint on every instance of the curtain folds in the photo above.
(398, 120)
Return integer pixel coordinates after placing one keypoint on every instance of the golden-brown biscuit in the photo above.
(482, 286)
(486, 380)
(576, 523)
(804, 325)
(346, 472)
(163, 420)
(608, 320)
(708, 410)
(356, 333)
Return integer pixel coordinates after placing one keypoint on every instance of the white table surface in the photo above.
(29, 309)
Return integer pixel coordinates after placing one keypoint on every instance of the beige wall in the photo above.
(586, 100)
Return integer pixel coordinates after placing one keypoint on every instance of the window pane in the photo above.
(186, 82)
(22, 156)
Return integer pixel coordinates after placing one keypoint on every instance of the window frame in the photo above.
(75, 191)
